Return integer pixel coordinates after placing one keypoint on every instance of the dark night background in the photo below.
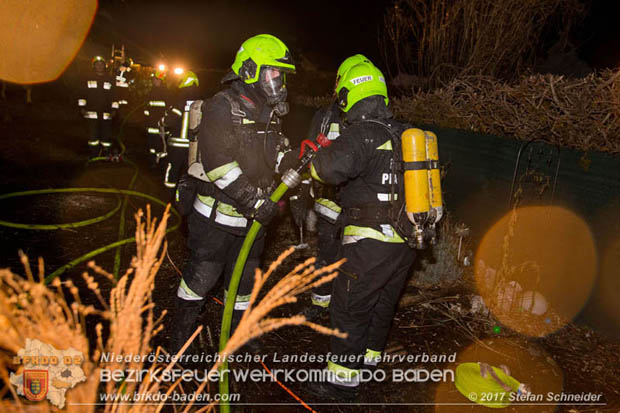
(206, 34)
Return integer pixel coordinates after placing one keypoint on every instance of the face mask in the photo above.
(273, 84)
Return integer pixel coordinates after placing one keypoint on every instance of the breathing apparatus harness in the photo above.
(414, 228)
(196, 181)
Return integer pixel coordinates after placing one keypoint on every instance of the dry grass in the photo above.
(125, 321)
(579, 113)
(442, 39)
(442, 264)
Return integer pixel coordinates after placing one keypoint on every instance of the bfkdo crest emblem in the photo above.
(35, 384)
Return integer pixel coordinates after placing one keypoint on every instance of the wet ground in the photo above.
(44, 146)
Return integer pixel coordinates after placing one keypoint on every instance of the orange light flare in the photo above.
(161, 67)
(527, 362)
(535, 268)
(39, 38)
(178, 71)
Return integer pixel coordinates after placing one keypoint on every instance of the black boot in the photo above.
(94, 151)
(184, 323)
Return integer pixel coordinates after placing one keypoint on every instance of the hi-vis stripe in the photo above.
(178, 142)
(386, 197)
(107, 85)
(93, 115)
(167, 182)
(186, 293)
(114, 105)
(223, 213)
(177, 112)
(242, 302)
(81, 102)
(147, 113)
(386, 146)
(225, 175)
(92, 84)
(353, 233)
(327, 208)
(154, 131)
(184, 125)
(342, 376)
(320, 300)
(157, 103)
(334, 131)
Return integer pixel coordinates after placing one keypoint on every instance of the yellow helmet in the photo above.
(98, 59)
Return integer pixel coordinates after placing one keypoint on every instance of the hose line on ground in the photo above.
(78, 224)
(120, 205)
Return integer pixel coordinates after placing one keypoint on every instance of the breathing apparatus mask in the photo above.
(272, 83)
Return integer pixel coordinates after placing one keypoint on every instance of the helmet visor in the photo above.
(272, 81)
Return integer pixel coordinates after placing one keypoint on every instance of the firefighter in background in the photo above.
(327, 120)
(365, 294)
(177, 118)
(123, 79)
(241, 148)
(98, 106)
(157, 100)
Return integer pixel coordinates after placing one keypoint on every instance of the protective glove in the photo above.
(290, 160)
(187, 187)
(266, 211)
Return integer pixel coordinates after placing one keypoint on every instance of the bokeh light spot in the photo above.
(39, 38)
(535, 268)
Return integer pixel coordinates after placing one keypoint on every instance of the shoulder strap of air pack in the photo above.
(397, 212)
(235, 106)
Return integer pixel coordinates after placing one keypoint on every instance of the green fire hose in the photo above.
(290, 179)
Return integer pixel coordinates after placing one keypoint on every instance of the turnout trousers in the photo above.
(365, 295)
(329, 245)
(99, 136)
(213, 253)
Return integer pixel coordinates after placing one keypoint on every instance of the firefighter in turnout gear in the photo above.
(366, 291)
(327, 120)
(123, 79)
(98, 107)
(157, 101)
(240, 146)
(177, 117)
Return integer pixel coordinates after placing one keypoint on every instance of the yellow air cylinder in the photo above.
(417, 198)
(434, 179)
